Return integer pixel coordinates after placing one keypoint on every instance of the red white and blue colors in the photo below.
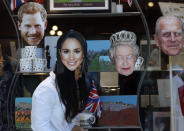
(94, 103)
(16, 3)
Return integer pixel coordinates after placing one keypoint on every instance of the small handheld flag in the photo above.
(94, 103)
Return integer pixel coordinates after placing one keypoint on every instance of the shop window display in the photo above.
(100, 59)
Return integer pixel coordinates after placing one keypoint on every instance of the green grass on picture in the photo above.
(93, 0)
(95, 65)
(23, 125)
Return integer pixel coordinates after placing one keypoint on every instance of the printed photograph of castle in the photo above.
(98, 55)
(119, 111)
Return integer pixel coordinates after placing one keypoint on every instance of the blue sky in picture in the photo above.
(98, 45)
(128, 99)
(23, 99)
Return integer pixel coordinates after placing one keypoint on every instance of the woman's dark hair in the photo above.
(74, 94)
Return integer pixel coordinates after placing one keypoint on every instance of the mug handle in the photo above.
(142, 60)
(138, 65)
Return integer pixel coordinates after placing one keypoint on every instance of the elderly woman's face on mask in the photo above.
(124, 59)
(71, 53)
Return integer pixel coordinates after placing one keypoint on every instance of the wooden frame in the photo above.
(61, 6)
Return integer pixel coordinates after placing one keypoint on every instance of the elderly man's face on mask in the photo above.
(32, 28)
(170, 37)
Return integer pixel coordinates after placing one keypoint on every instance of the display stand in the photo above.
(11, 95)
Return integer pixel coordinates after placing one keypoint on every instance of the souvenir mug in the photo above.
(119, 8)
(87, 119)
(39, 64)
(139, 63)
(29, 52)
(26, 65)
(113, 7)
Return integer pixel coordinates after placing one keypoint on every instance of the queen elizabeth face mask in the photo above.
(124, 59)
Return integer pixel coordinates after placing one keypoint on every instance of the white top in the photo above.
(48, 112)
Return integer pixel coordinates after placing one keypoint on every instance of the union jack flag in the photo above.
(16, 3)
(94, 103)
(129, 2)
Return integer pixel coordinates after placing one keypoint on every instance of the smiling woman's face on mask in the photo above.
(71, 54)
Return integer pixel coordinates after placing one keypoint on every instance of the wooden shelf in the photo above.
(116, 127)
(93, 15)
(103, 127)
(33, 73)
(87, 15)
(24, 129)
